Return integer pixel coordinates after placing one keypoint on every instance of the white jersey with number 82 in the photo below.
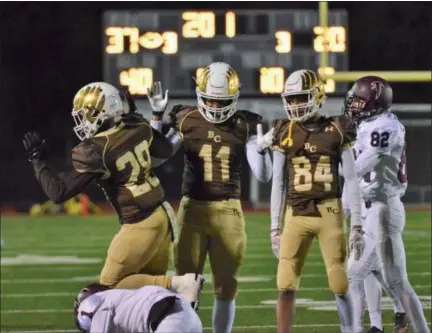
(385, 136)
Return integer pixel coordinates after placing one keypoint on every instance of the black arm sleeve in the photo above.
(160, 146)
(61, 189)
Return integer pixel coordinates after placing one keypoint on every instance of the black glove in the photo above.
(34, 144)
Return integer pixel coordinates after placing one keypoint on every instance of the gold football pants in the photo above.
(142, 247)
(297, 237)
(216, 228)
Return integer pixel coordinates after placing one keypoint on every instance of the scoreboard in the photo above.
(263, 46)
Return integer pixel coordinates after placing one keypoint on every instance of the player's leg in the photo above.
(391, 253)
(401, 323)
(373, 299)
(226, 252)
(180, 319)
(358, 272)
(295, 242)
(154, 265)
(190, 252)
(131, 250)
(331, 238)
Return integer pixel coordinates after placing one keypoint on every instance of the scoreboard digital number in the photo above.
(262, 46)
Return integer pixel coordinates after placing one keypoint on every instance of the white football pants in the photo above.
(358, 271)
(181, 319)
(387, 222)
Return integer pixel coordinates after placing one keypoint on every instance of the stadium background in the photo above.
(49, 50)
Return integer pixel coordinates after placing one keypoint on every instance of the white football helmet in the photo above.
(218, 89)
(303, 94)
(95, 103)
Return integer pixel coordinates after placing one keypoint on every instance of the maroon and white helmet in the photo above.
(369, 96)
(83, 316)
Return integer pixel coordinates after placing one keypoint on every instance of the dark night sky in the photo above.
(49, 50)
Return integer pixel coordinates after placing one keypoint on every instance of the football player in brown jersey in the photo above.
(216, 137)
(117, 151)
(307, 151)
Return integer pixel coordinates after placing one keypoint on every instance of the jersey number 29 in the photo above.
(139, 160)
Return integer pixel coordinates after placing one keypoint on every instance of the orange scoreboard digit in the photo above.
(262, 46)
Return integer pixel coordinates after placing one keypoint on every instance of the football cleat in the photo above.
(373, 329)
(189, 286)
(401, 323)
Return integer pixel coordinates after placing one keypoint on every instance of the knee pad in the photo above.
(226, 291)
(338, 280)
(287, 277)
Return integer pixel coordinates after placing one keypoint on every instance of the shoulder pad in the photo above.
(178, 113)
(87, 157)
(252, 119)
(278, 125)
(134, 118)
(349, 130)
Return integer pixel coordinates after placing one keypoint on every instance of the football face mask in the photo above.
(303, 95)
(218, 89)
(96, 103)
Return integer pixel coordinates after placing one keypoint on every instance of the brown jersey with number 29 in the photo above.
(122, 158)
(313, 159)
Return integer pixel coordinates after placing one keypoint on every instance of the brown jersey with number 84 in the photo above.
(313, 158)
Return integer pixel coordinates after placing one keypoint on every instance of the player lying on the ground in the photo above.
(216, 138)
(150, 309)
(116, 152)
(381, 168)
(307, 151)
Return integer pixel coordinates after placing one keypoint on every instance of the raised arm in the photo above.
(257, 155)
(60, 189)
(159, 103)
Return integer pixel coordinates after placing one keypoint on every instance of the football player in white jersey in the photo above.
(99, 309)
(381, 168)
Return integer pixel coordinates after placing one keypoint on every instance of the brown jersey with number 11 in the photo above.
(214, 153)
(313, 158)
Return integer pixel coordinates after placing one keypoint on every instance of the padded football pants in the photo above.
(142, 247)
(216, 228)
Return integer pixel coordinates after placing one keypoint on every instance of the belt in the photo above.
(159, 311)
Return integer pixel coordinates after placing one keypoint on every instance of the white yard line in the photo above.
(74, 252)
(21, 311)
(241, 291)
(252, 327)
(86, 267)
(243, 279)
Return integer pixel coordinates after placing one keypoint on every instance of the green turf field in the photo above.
(37, 292)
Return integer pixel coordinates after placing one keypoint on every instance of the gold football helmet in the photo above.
(96, 103)
(303, 94)
(218, 89)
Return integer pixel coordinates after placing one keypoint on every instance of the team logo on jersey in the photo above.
(216, 138)
(377, 87)
(308, 146)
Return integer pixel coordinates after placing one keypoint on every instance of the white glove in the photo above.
(275, 241)
(157, 101)
(264, 141)
(172, 219)
(356, 243)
